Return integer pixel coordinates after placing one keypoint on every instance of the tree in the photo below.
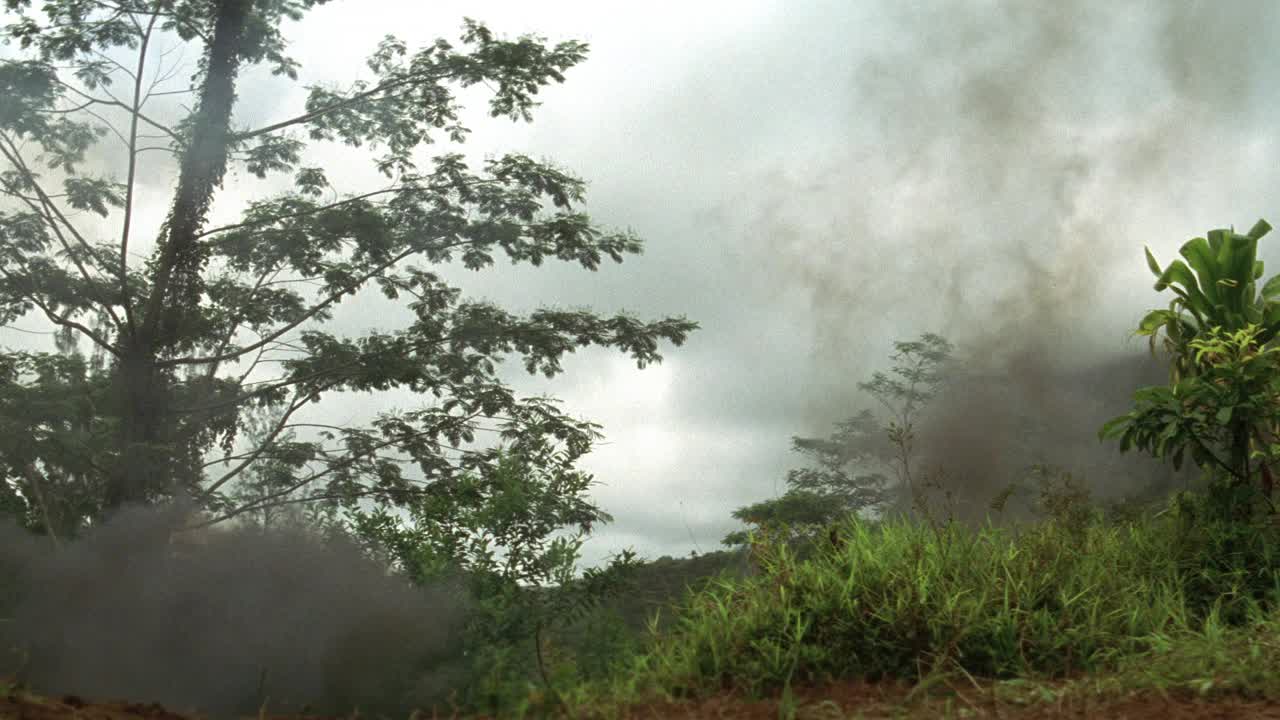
(919, 375)
(834, 489)
(1221, 404)
(1226, 414)
(160, 411)
(212, 296)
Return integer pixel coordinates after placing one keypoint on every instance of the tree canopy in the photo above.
(156, 408)
(848, 476)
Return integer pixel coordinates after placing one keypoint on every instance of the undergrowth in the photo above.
(1084, 601)
(1159, 600)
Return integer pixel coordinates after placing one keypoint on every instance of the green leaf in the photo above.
(1239, 269)
(94, 195)
(1217, 239)
(1260, 228)
(1271, 318)
(1113, 427)
(1177, 272)
(1202, 260)
(1151, 262)
(1153, 321)
(1272, 288)
(1223, 416)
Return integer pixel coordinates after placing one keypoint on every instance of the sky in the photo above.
(813, 181)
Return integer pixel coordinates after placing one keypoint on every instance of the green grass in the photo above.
(1065, 606)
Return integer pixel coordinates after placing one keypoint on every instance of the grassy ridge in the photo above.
(1164, 600)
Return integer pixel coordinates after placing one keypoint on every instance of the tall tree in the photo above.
(848, 474)
(141, 427)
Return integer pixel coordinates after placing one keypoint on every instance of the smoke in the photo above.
(221, 625)
(1004, 166)
(986, 431)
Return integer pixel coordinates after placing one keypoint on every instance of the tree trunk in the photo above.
(175, 270)
(143, 468)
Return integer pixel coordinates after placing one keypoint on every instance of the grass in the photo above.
(1072, 607)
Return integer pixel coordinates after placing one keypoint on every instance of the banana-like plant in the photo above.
(1209, 404)
(1216, 286)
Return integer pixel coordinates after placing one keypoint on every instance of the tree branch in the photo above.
(50, 210)
(235, 324)
(286, 383)
(354, 99)
(116, 103)
(340, 203)
(33, 477)
(263, 502)
(65, 321)
(129, 183)
(298, 402)
(315, 310)
(115, 62)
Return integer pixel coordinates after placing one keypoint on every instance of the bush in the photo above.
(1225, 564)
(1070, 594)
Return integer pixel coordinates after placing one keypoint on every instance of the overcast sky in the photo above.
(815, 180)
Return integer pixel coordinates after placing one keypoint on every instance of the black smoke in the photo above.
(1004, 166)
(225, 623)
(1031, 420)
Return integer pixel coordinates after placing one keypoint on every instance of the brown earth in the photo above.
(850, 700)
(828, 702)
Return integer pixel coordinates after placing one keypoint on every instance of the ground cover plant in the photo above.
(1049, 601)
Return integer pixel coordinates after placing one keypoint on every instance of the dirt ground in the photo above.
(876, 701)
(830, 702)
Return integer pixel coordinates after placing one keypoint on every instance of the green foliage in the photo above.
(901, 599)
(1215, 287)
(600, 643)
(153, 321)
(1224, 414)
(803, 512)
(516, 504)
(919, 366)
(1216, 661)
(157, 410)
(50, 420)
(1221, 403)
(819, 496)
(1061, 498)
(1233, 563)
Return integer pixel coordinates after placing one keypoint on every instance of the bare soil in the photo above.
(828, 702)
(856, 699)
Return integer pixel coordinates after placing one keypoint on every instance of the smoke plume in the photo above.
(226, 623)
(996, 188)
